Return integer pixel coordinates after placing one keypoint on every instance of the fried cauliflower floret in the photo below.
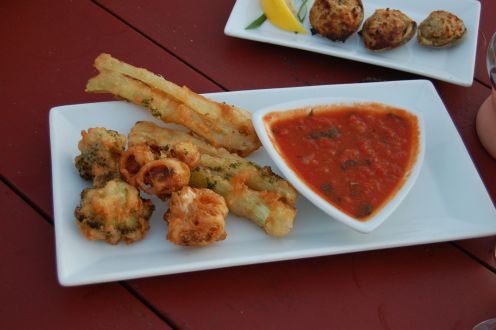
(196, 217)
(387, 29)
(113, 213)
(162, 177)
(336, 19)
(100, 153)
(440, 29)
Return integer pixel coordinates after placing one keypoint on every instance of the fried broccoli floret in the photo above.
(100, 153)
(113, 213)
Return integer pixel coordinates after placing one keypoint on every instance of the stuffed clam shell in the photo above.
(387, 29)
(441, 29)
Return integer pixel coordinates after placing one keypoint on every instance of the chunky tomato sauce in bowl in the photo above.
(354, 160)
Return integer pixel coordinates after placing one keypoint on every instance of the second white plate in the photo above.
(455, 65)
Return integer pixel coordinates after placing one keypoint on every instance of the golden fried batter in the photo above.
(441, 29)
(162, 177)
(133, 159)
(336, 19)
(250, 191)
(100, 152)
(113, 213)
(186, 152)
(387, 29)
(196, 217)
(219, 123)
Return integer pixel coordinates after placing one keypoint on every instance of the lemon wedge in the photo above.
(281, 14)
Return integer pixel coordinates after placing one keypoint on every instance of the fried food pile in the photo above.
(202, 176)
(220, 124)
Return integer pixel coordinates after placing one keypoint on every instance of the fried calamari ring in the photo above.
(196, 217)
(162, 177)
(113, 213)
(133, 159)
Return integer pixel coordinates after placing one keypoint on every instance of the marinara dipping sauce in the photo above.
(355, 156)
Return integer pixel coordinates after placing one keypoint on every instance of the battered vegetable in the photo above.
(218, 159)
(100, 153)
(219, 123)
(250, 191)
(264, 208)
(113, 213)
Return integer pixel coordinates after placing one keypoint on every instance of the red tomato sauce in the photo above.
(354, 156)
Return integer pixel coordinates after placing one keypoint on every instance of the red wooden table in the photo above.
(46, 58)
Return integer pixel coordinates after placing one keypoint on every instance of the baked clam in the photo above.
(387, 29)
(336, 19)
(441, 29)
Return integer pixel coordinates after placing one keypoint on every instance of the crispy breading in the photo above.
(264, 208)
(113, 213)
(441, 29)
(219, 123)
(100, 150)
(196, 217)
(218, 159)
(387, 29)
(162, 177)
(250, 191)
(336, 19)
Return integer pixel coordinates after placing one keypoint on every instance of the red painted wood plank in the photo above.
(31, 296)
(48, 56)
(423, 287)
(482, 248)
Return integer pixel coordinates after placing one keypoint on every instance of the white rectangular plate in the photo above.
(448, 202)
(455, 65)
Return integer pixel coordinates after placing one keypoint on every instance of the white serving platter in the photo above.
(455, 65)
(448, 201)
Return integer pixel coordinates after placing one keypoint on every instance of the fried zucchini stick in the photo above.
(262, 207)
(216, 159)
(254, 176)
(220, 124)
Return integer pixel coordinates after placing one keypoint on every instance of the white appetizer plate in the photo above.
(448, 201)
(455, 65)
(262, 127)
